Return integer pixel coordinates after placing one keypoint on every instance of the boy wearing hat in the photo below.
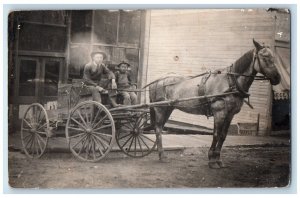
(123, 81)
(93, 73)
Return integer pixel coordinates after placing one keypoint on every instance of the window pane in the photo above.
(81, 25)
(105, 23)
(42, 38)
(51, 78)
(27, 78)
(130, 27)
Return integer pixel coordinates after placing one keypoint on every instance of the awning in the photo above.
(283, 61)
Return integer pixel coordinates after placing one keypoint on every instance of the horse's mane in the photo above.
(243, 62)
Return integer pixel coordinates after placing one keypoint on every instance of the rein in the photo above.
(229, 73)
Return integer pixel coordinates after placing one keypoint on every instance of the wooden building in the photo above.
(51, 47)
(191, 42)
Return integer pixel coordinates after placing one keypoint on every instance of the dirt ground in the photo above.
(266, 166)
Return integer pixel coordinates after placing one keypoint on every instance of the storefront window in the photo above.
(81, 26)
(130, 27)
(35, 37)
(105, 26)
(51, 78)
(27, 80)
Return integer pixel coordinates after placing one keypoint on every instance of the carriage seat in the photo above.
(86, 94)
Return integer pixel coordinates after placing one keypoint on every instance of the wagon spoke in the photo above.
(38, 117)
(140, 145)
(78, 123)
(145, 143)
(128, 127)
(131, 144)
(39, 143)
(126, 131)
(32, 147)
(101, 152)
(28, 124)
(144, 123)
(103, 127)
(139, 121)
(24, 138)
(36, 145)
(106, 135)
(42, 132)
(77, 135)
(83, 144)
(87, 148)
(41, 139)
(93, 147)
(82, 119)
(135, 146)
(80, 140)
(86, 114)
(102, 142)
(100, 121)
(27, 142)
(126, 141)
(76, 129)
(96, 116)
(31, 144)
(124, 136)
(42, 126)
(147, 138)
(40, 121)
(26, 129)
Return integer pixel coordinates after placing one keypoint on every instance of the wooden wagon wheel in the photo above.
(90, 131)
(132, 139)
(35, 131)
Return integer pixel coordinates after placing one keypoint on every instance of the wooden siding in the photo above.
(207, 40)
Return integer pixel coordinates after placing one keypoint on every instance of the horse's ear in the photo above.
(257, 45)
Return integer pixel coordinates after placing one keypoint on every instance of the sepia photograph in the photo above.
(149, 98)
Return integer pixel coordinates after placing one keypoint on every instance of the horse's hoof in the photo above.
(214, 165)
(221, 164)
(164, 159)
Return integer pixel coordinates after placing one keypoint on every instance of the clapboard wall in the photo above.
(190, 42)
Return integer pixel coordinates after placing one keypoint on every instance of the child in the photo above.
(123, 81)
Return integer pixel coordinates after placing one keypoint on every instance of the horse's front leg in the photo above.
(222, 137)
(213, 153)
(219, 113)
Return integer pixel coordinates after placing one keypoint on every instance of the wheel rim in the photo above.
(34, 131)
(132, 139)
(90, 131)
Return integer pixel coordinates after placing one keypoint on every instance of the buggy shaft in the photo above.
(169, 102)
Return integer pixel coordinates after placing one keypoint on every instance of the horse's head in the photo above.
(265, 63)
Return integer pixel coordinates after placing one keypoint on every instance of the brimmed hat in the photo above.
(99, 52)
(123, 62)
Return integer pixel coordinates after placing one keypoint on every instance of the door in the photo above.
(37, 79)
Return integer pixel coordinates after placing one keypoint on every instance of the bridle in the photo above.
(232, 76)
(255, 57)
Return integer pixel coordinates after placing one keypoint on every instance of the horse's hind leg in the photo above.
(161, 116)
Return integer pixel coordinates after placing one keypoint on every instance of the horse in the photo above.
(236, 79)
